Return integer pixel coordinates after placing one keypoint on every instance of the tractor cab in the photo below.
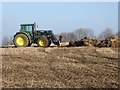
(27, 28)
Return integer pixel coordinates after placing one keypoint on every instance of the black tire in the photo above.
(20, 44)
(43, 42)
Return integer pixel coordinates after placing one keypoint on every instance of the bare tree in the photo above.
(106, 33)
(5, 40)
(70, 36)
(81, 33)
(11, 40)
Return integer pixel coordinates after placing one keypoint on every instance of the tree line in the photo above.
(81, 33)
(7, 40)
(72, 36)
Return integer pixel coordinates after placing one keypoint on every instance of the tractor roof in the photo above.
(26, 24)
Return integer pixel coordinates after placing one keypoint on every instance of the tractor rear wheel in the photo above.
(21, 40)
(43, 42)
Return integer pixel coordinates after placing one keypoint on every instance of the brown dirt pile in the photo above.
(112, 41)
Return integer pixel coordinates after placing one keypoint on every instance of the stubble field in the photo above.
(61, 67)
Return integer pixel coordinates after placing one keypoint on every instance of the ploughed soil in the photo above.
(60, 67)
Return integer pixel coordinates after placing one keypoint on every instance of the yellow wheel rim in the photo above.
(41, 43)
(20, 41)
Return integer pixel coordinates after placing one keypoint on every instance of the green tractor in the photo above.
(28, 35)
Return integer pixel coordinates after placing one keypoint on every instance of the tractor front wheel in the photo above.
(21, 40)
(43, 42)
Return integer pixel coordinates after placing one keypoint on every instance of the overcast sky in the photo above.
(60, 16)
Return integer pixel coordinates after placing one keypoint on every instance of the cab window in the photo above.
(26, 28)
